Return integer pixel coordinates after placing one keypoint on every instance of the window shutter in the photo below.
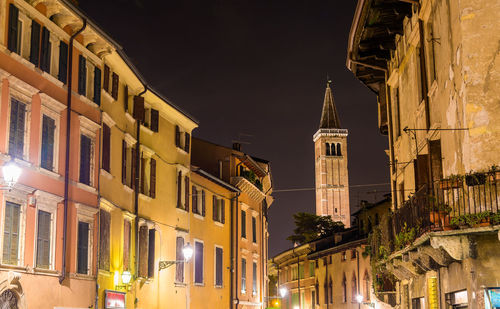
(154, 120)
(194, 193)
(114, 86)
(243, 224)
(254, 229)
(152, 178)
(177, 136)
(47, 157)
(203, 203)
(83, 247)
(12, 128)
(16, 130)
(13, 20)
(125, 97)
(21, 113)
(139, 108)
(105, 80)
(35, 43)
(11, 233)
(106, 141)
(214, 208)
(151, 254)
(124, 162)
(186, 143)
(222, 211)
(132, 168)
(254, 285)
(97, 86)
(104, 248)
(85, 159)
(45, 53)
(43, 240)
(179, 190)
(198, 259)
(179, 267)
(142, 178)
(218, 266)
(63, 62)
(186, 201)
(82, 75)
(143, 251)
(126, 244)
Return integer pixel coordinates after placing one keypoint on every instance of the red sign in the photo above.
(114, 300)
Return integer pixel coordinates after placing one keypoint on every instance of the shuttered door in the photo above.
(186, 200)
(82, 75)
(154, 120)
(218, 266)
(143, 251)
(97, 86)
(106, 145)
(13, 20)
(114, 86)
(43, 240)
(83, 247)
(179, 190)
(198, 260)
(104, 250)
(222, 211)
(124, 162)
(35, 43)
(85, 159)
(151, 253)
(105, 81)
(179, 267)
(47, 155)
(126, 244)
(63, 62)
(152, 178)
(203, 203)
(16, 130)
(11, 233)
(45, 51)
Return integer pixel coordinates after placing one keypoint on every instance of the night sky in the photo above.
(255, 71)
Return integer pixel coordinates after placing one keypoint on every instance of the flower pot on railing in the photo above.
(475, 179)
(449, 184)
(494, 176)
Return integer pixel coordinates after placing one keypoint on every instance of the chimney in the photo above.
(237, 146)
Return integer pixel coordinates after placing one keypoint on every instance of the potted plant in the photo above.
(494, 173)
(451, 182)
(458, 222)
(495, 218)
(475, 179)
(483, 218)
(440, 214)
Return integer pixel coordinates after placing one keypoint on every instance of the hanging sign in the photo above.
(114, 300)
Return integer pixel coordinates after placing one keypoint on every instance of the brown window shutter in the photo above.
(132, 169)
(154, 120)
(194, 193)
(177, 136)
(203, 203)
(179, 267)
(114, 89)
(125, 98)
(151, 253)
(106, 145)
(105, 82)
(143, 251)
(104, 225)
(186, 142)
(142, 180)
(214, 208)
(139, 109)
(179, 190)
(223, 212)
(124, 162)
(187, 194)
(126, 244)
(152, 178)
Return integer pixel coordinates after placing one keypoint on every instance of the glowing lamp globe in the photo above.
(126, 277)
(359, 298)
(11, 173)
(187, 251)
(283, 291)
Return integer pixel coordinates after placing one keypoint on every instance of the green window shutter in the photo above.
(45, 53)
(82, 75)
(85, 148)
(97, 86)
(154, 120)
(43, 240)
(83, 248)
(35, 43)
(63, 62)
(20, 128)
(12, 32)
(47, 157)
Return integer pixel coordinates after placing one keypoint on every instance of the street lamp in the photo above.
(187, 252)
(126, 277)
(11, 173)
(283, 292)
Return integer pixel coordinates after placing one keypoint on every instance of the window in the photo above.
(114, 85)
(105, 79)
(344, 289)
(254, 279)
(354, 288)
(194, 201)
(254, 229)
(327, 146)
(11, 233)
(47, 155)
(179, 266)
(124, 162)
(143, 251)
(218, 205)
(85, 159)
(151, 253)
(418, 303)
(301, 270)
(186, 192)
(43, 239)
(180, 142)
(97, 86)
(83, 248)
(17, 128)
(35, 43)
(179, 190)
(311, 269)
(147, 179)
(203, 203)
(104, 248)
(151, 118)
(339, 150)
(218, 266)
(243, 224)
(45, 51)
(106, 147)
(332, 149)
(187, 140)
(126, 244)
(198, 262)
(82, 75)
(243, 276)
(295, 273)
(313, 298)
(353, 254)
(63, 62)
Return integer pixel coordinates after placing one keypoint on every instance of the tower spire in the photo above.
(329, 116)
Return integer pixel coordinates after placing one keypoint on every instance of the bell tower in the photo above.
(330, 155)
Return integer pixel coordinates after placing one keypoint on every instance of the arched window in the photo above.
(366, 284)
(354, 288)
(327, 149)
(333, 149)
(344, 289)
(339, 151)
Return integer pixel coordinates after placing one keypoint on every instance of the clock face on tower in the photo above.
(331, 172)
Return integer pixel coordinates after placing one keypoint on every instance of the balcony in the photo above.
(459, 202)
(246, 185)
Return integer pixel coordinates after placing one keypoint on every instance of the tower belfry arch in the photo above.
(331, 172)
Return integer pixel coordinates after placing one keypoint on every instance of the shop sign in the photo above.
(114, 300)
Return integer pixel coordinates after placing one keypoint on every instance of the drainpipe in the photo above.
(234, 276)
(263, 251)
(66, 163)
(357, 287)
(298, 280)
(99, 216)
